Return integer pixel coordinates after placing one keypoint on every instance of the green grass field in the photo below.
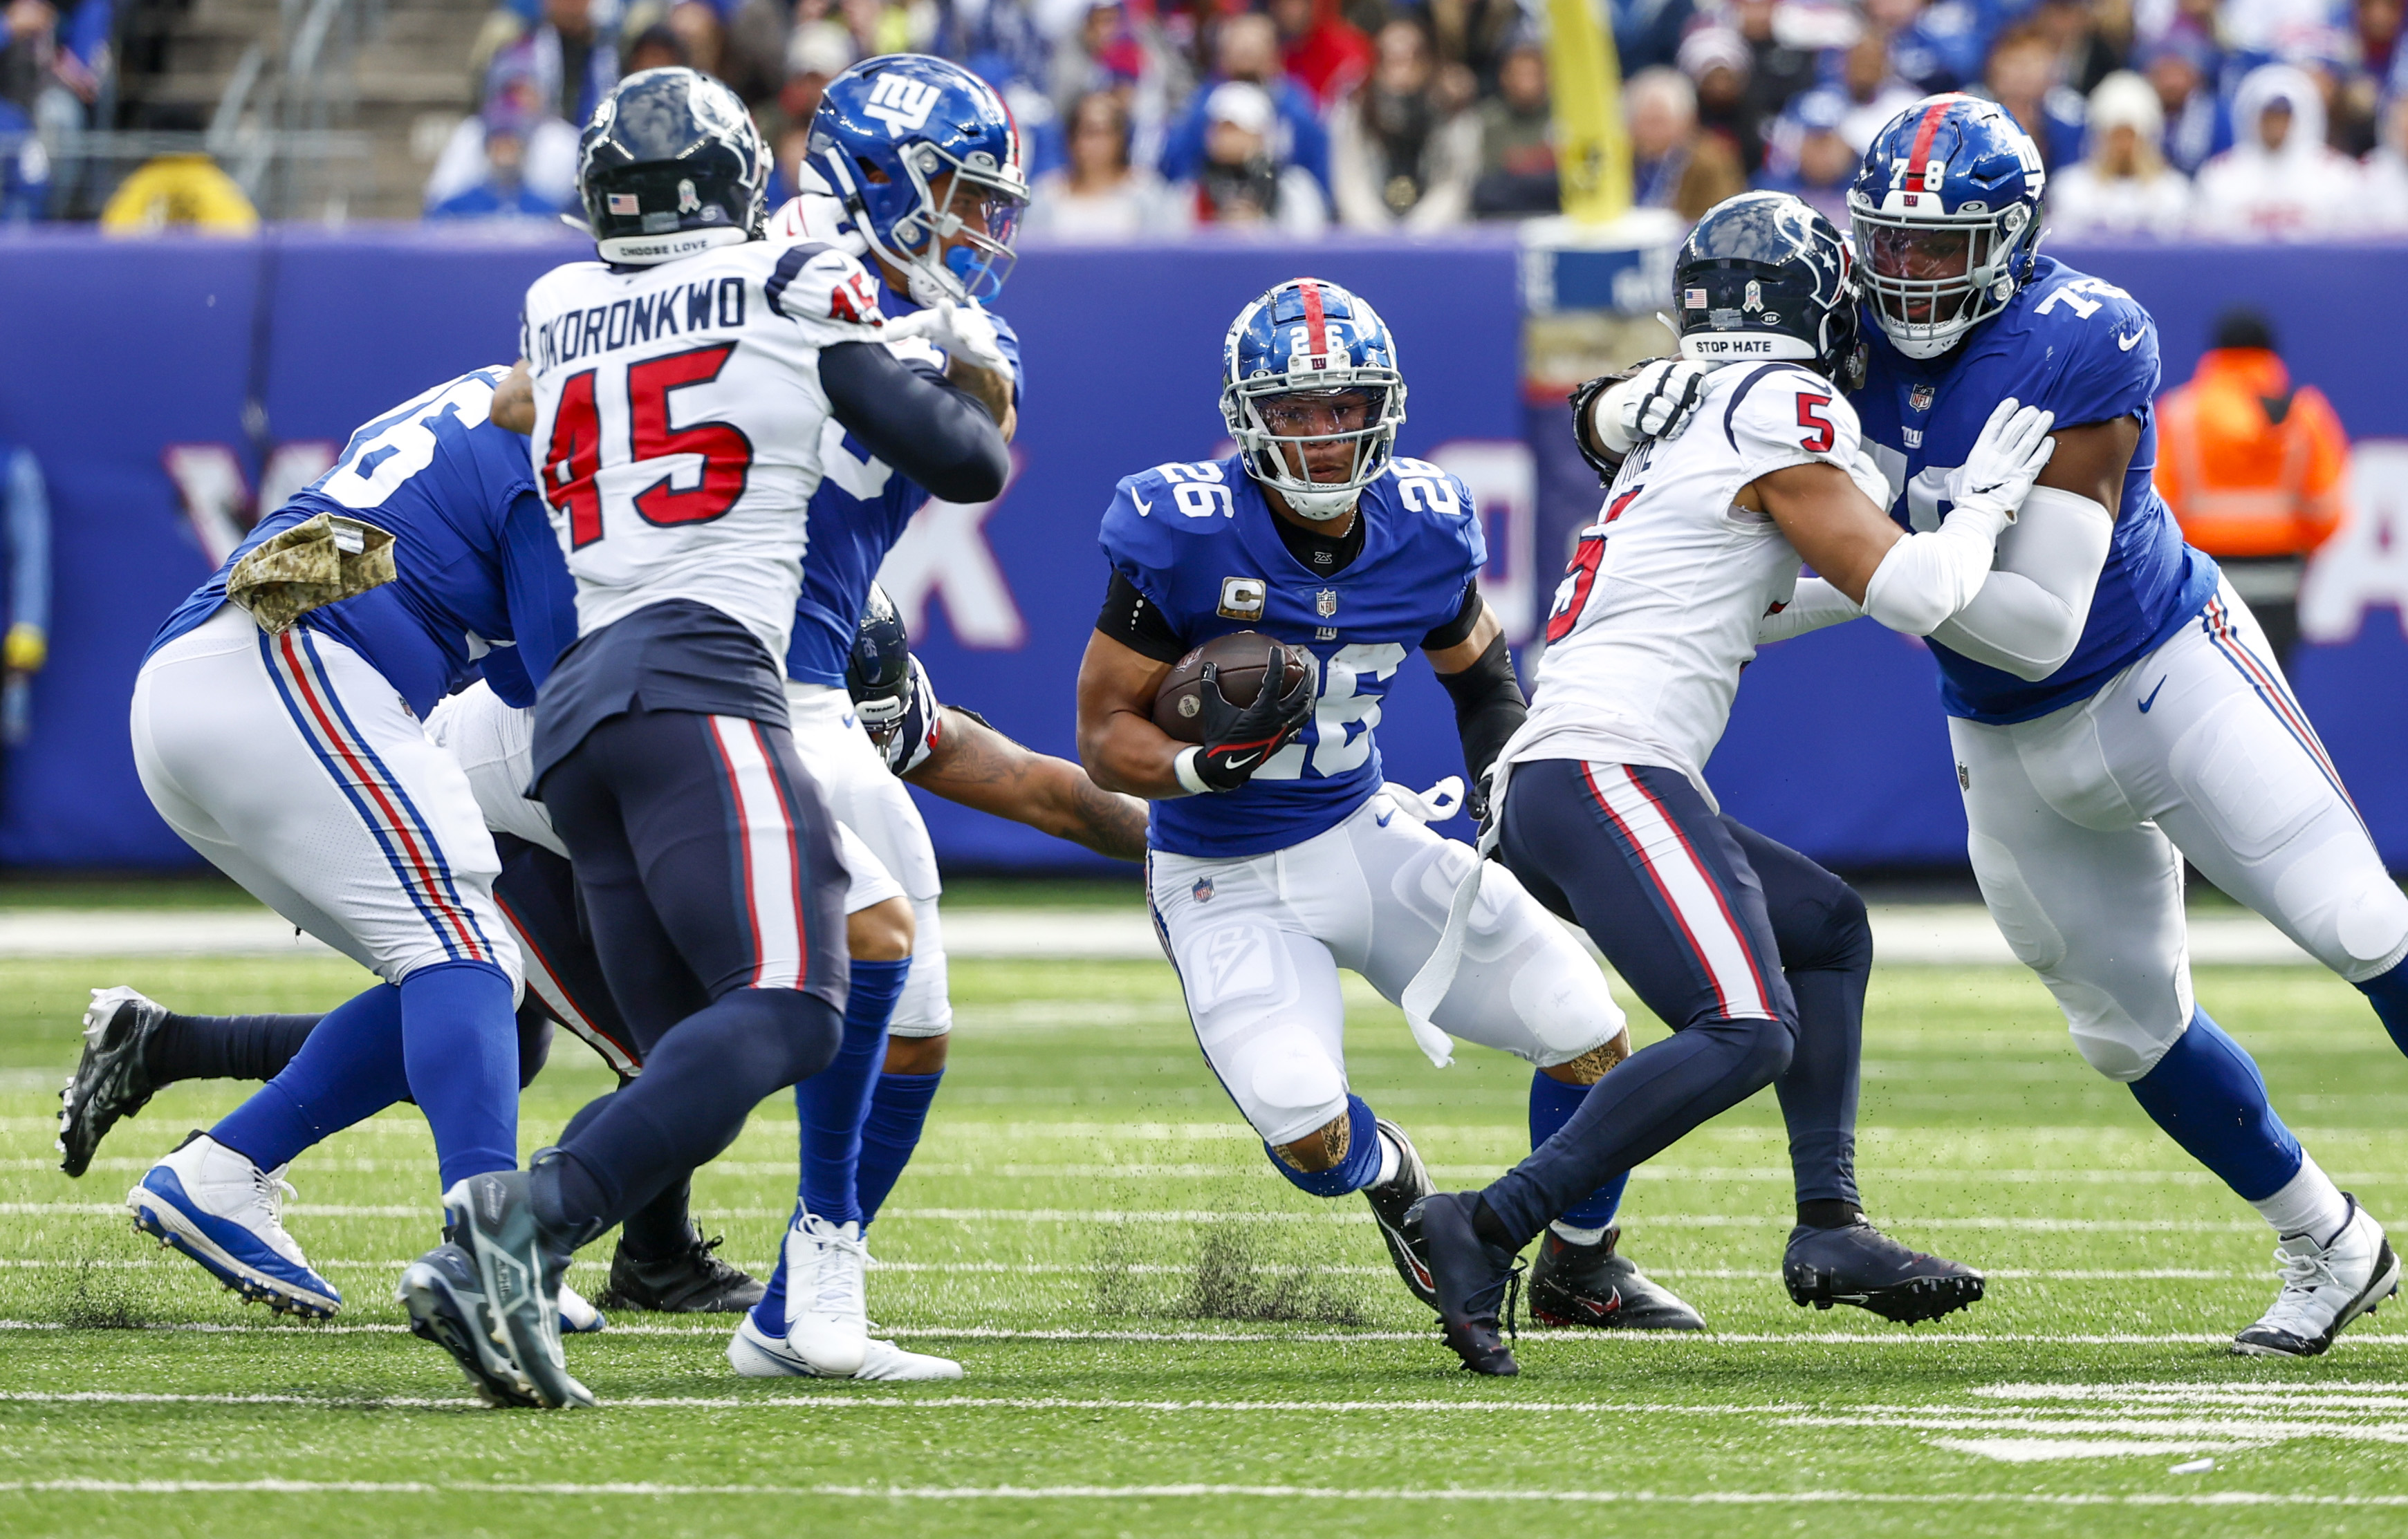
(1162, 1337)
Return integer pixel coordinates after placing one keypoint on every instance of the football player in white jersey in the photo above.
(681, 384)
(1753, 955)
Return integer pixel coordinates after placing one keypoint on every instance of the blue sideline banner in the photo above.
(170, 386)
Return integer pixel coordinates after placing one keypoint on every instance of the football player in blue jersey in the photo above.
(276, 726)
(2114, 707)
(1279, 855)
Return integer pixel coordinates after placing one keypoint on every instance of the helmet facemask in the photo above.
(1933, 277)
(1280, 422)
(954, 245)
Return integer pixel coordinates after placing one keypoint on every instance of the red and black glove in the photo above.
(1237, 738)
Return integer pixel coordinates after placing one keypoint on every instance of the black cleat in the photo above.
(691, 1282)
(1471, 1277)
(1593, 1286)
(447, 1305)
(1392, 1210)
(504, 1326)
(111, 1080)
(1856, 1263)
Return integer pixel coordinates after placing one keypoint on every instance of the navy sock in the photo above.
(460, 1035)
(1552, 1104)
(2207, 1093)
(1818, 1090)
(349, 1069)
(898, 1109)
(830, 1104)
(2388, 993)
(224, 1047)
(663, 1227)
(1359, 1169)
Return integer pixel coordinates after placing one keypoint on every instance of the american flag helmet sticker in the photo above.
(625, 203)
(1693, 299)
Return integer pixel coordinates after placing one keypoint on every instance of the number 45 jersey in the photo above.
(679, 417)
(1657, 613)
(1199, 542)
(2087, 351)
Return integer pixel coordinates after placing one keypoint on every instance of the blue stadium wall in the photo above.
(116, 350)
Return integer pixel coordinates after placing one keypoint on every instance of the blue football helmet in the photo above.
(1764, 276)
(887, 131)
(670, 167)
(1309, 362)
(1944, 215)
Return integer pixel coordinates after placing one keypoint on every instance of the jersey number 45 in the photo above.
(576, 452)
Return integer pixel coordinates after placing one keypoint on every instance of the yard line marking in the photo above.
(1165, 1492)
(834, 1400)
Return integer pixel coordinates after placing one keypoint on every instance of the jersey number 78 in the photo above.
(575, 454)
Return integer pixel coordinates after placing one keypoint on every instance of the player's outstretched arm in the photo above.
(1118, 742)
(981, 768)
(513, 405)
(931, 431)
(2031, 614)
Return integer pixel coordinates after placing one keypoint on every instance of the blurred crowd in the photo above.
(2242, 120)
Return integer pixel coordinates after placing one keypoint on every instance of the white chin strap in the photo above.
(1321, 507)
(1923, 345)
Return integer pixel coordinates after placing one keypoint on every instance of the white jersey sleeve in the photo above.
(1783, 416)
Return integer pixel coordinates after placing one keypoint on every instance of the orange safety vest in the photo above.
(2249, 466)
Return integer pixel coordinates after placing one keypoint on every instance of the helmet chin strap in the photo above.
(1321, 506)
(928, 288)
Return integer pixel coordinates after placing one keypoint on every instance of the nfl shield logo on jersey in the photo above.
(1202, 890)
(1324, 602)
(1919, 398)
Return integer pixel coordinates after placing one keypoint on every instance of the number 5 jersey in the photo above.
(1657, 613)
(679, 424)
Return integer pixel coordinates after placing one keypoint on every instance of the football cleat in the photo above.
(1392, 1210)
(827, 1313)
(691, 1282)
(756, 1354)
(227, 1214)
(519, 1265)
(2325, 1287)
(111, 1080)
(1595, 1286)
(1472, 1279)
(1856, 1263)
(446, 1300)
(578, 1315)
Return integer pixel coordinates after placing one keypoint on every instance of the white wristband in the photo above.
(1184, 767)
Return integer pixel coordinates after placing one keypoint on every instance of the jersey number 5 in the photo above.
(1822, 434)
(575, 453)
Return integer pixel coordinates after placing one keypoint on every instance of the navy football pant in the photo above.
(1725, 934)
(706, 861)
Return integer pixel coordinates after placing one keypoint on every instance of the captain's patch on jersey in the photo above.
(1241, 598)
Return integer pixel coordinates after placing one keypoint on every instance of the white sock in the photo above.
(1577, 1235)
(1392, 1159)
(2309, 1203)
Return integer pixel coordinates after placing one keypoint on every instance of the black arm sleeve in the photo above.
(1138, 623)
(1456, 632)
(933, 433)
(1488, 706)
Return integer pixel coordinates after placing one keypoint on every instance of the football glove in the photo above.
(2013, 449)
(1237, 738)
(964, 331)
(1656, 402)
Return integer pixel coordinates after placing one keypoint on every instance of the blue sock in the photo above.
(460, 1034)
(1359, 1169)
(830, 1104)
(2388, 993)
(2207, 1093)
(898, 1109)
(1552, 1104)
(349, 1069)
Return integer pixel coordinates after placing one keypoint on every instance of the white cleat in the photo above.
(578, 1315)
(227, 1214)
(2325, 1287)
(827, 1313)
(756, 1354)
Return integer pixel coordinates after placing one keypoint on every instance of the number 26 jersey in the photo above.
(1657, 612)
(679, 417)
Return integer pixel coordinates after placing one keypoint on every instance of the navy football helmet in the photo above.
(1944, 215)
(671, 167)
(878, 675)
(1309, 362)
(1764, 276)
(887, 131)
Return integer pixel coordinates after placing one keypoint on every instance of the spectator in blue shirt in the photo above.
(1805, 154)
(1248, 50)
(510, 121)
(2182, 67)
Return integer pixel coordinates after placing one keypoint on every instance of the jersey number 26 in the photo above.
(575, 453)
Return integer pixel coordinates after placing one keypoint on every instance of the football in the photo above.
(1240, 658)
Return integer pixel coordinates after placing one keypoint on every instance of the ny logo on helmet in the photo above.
(901, 103)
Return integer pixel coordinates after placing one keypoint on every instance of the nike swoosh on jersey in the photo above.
(2153, 695)
(1143, 507)
(2128, 343)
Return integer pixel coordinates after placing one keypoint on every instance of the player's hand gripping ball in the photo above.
(1215, 697)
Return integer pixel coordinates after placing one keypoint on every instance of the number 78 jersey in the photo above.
(1198, 541)
(678, 423)
(1657, 613)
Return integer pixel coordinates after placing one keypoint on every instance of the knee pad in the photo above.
(1358, 1170)
(2109, 1037)
(2372, 929)
(2029, 933)
(805, 1030)
(1285, 1084)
